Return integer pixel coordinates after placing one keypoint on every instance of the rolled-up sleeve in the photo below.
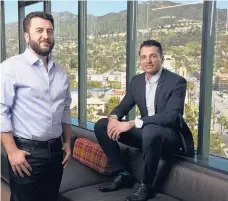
(7, 97)
(66, 113)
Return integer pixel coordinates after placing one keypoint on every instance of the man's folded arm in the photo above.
(174, 106)
(125, 105)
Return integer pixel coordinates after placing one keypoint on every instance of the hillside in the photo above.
(66, 23)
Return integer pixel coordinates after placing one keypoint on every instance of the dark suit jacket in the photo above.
(169, 105)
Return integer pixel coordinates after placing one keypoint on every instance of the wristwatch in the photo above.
(112, 117)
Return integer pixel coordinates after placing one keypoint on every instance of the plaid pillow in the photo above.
(91, 154)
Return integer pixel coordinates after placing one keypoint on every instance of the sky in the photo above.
(94, 7)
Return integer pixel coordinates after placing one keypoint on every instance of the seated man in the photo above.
(159, 95)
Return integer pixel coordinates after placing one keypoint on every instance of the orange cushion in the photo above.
(91, 154)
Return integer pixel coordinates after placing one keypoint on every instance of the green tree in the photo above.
(94, 84)
(213, 117)
(111, 104)
(215, 143)
(114, 84)
(73, 83)
(226, 124)
(74, 63)
(190, 87)
(222, 120)
(191, 116)
(74, 112)
(137, 111)
(91, 114)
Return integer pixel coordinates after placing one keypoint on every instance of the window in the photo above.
(106, 57)
(219, 116)
(180, 34)
(65, 51)
(11, 28)
(33, 8)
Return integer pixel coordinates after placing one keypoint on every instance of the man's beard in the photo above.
(35, 46)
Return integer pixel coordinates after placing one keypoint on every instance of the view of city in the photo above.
(177, 26)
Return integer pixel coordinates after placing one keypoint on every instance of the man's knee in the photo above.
(100, 125)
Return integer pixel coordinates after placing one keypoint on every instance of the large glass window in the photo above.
(180, 34)
(11, 28)
(219, 116)
(34, 7)
(106, 57)
(65, 51)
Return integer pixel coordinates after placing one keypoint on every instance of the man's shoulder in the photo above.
(11, 63)
(138, 76)
(173, 76)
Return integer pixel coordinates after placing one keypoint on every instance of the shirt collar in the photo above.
(33, 59)
(155, 77)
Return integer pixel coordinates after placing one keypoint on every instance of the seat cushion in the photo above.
(77, 175)
(190, 182)
(91, 154)
(92, 193)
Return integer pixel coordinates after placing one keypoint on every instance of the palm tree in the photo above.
(215, 142)
(213, 116)
(222, 120)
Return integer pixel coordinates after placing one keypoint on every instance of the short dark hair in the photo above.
(43, 15)
(148, 43)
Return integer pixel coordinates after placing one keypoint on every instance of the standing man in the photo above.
(159, 95)
(35, 112)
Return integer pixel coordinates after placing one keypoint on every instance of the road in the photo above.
(219, 104)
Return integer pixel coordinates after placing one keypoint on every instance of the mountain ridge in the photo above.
(66, 23)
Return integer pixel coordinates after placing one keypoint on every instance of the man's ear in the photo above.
(26, 36)
(163, 58)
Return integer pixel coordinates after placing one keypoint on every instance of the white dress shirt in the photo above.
(34, 103)
(151, 86)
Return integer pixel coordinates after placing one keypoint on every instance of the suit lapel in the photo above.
(142, 87)
(159, 87)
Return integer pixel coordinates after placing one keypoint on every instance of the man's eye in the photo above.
(39, 31)
(50, 32)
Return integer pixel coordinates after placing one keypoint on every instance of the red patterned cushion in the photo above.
(91, 154)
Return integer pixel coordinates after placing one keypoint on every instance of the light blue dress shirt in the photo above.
(151, 86)
(34, 102)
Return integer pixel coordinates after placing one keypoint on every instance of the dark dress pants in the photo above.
(46, 162)
(154, 141)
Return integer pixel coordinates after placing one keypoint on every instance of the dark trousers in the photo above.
(154, 141)
(46, 162)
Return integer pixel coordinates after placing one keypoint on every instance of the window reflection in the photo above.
(65, 51)
(106, 57)
(11, 28)
(219, 108)
(180, 34)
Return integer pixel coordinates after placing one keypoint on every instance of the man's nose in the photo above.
(45, 34)
(149, 60)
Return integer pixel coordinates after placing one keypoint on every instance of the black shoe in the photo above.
(121, 181)
(142, 193)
